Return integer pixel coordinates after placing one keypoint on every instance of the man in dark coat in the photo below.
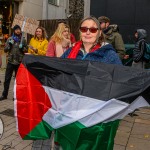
(15, 46)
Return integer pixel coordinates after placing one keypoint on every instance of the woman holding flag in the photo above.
(92, 45)
(78, 99)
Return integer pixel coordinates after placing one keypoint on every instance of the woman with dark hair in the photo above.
(38, 44)
(92, 45)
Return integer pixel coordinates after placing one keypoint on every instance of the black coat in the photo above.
(140, 46)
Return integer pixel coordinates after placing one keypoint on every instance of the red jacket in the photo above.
(51, 50)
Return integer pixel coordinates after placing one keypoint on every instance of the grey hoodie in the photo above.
(140, 46)
(142, 34)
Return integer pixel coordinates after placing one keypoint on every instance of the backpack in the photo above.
(147, 52)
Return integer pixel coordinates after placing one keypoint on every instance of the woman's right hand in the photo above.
(33, 49)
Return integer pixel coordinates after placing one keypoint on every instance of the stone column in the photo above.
(76, 8)
(45, 10)
(87, 4)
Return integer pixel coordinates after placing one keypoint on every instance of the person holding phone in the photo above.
(38, 44)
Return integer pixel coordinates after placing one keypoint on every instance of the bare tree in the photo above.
(76, 8)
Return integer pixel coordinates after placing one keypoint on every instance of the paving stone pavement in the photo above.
(133, 132)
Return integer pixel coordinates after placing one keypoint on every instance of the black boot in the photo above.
(3, 98)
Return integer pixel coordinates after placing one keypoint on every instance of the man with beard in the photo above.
(16, 46)
(112, 35)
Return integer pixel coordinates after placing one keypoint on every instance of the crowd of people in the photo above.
(99, 41)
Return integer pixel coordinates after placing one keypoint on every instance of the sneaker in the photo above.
(3, 98)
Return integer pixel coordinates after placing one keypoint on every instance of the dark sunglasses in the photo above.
(85, 29)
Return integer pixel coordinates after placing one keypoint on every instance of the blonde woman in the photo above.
(59, 42)
(38, 44)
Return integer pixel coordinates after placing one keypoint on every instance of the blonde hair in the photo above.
(43, 33)
(58, 36)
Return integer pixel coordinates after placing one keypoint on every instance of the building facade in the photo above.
(128, 14)
(42, 10)
(52, 9)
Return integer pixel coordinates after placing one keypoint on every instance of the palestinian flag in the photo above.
(82, 100)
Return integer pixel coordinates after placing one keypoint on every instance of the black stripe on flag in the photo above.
(92, 79)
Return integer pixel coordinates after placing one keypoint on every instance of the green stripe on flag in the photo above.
(42, 131)
(77, 137)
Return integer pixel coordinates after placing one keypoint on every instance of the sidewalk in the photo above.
(10, 138)
(133, 132)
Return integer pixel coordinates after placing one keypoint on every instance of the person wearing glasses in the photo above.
(112, 35)
(60, 41)
(92, 45)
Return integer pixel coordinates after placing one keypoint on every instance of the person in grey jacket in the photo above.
(140, 47)
(16, 46)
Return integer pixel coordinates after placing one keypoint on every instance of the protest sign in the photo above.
(28, 25)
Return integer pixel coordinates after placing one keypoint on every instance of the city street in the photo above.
(79, 100)
(133, 132)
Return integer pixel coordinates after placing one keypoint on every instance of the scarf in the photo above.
(75, 50)
(16, 38)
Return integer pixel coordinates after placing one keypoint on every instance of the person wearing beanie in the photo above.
(15, 46)
(112, 35)
(16, 27)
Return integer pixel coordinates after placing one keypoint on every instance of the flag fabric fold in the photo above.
(82, 101)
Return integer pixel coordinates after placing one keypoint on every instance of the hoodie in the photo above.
(113, 37)
(140, 46)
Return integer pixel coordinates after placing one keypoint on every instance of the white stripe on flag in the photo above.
(15, 106)
(68, 108)
(95, 118)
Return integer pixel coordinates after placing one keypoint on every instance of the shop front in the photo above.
(6, 17)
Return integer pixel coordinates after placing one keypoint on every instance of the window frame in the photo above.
(56, 3)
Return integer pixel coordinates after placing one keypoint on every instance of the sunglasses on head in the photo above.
(85, 29)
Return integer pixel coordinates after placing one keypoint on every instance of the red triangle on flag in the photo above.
(32, 101)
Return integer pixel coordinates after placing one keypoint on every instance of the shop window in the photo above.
(54, 2)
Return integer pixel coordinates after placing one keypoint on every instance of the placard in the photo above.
(28, 25)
